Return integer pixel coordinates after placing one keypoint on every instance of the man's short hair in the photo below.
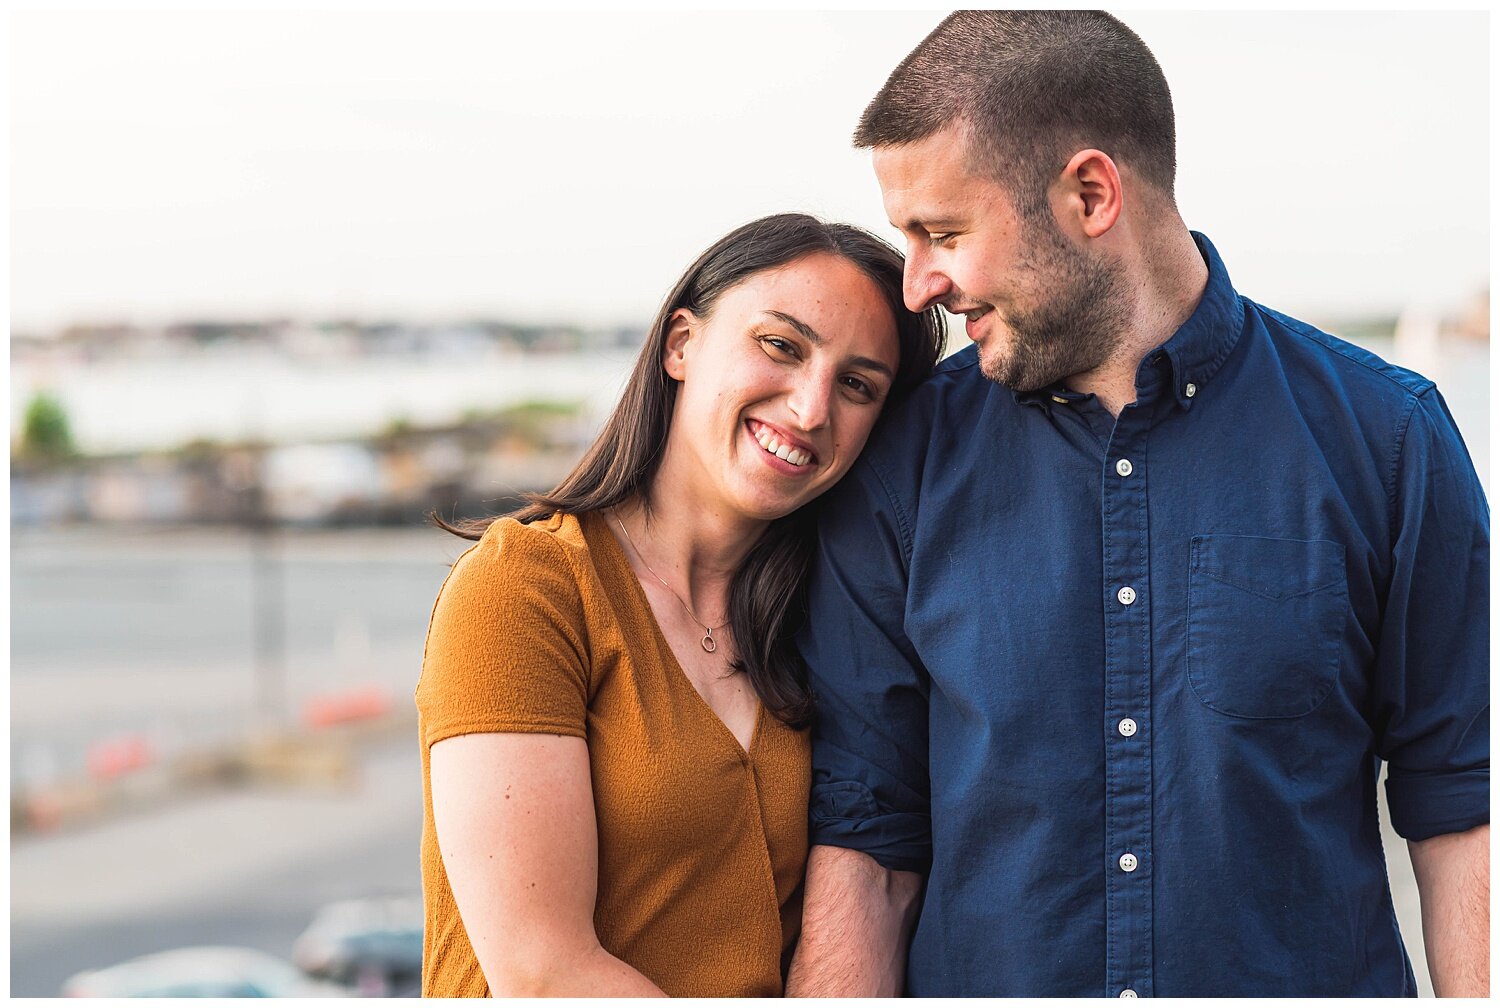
(1033, 87)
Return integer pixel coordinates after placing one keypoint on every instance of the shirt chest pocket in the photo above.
(1265, 623)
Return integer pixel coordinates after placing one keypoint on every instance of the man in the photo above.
(1117, 618)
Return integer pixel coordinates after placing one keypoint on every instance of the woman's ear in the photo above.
(679, 331)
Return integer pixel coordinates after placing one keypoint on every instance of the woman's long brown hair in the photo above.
(767, 602)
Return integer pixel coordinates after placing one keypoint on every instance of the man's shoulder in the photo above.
(966, 359)
(1363, 374)
(955, 387)
(934, 425)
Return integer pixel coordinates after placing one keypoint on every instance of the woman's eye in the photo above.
(779, 345)
(861, 388)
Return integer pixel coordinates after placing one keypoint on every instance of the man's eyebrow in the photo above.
(928, 224)
(941, 219)
(811, 335)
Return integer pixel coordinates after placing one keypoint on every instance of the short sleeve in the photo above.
(870, 774)
(1432, 671)
(505, 648)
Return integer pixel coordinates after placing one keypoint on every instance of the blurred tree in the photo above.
(537, 421)
(44, 432)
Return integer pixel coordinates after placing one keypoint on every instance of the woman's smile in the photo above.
(783, 452)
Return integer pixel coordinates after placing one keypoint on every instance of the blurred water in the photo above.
(239, 393)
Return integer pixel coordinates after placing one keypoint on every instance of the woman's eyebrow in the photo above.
(808, 332)
(872, 364)
(811, 335)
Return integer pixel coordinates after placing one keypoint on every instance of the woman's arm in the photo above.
(515, 824)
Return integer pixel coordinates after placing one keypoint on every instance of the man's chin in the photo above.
(1002, 371)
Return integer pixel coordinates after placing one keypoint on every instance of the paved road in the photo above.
(243, 868)
(154, 631)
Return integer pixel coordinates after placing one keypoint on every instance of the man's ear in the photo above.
(1092, 197)
(680, 328)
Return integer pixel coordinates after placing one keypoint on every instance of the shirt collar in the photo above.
(1201, 345)
(1054, 395)
(1194, 354)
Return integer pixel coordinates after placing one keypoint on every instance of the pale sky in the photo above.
(567, 166)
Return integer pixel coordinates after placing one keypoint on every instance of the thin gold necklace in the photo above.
(707, 642)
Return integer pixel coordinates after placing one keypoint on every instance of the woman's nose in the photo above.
(809, 401)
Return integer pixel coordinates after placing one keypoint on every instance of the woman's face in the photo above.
(781, 384)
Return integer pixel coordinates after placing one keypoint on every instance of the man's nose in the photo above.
(922, 286)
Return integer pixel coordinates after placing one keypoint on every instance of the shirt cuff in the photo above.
(845, 814)
(1429, 805)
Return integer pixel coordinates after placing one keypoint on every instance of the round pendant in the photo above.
(708, 643)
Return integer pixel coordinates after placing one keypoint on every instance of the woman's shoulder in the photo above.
(516, 567)
(510, 550)
(508, 645)
(565, 559)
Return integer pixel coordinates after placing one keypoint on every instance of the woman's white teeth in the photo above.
(785, 452)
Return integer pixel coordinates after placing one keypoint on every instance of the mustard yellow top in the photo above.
(544, 628)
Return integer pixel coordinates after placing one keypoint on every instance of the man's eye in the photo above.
(941, 239)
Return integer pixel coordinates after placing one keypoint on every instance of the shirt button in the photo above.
(1124, 468)
(1127, 727)
(1128, 993)
(1128, 862)
(1191, 390)
(1126, 595)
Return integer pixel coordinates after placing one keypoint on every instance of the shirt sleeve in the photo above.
(1432, 669)
(505, 647)
(869, 741)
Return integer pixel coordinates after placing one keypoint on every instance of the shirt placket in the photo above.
(1127, 707)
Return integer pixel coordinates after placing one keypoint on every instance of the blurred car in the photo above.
(372, 945)
(200, 971)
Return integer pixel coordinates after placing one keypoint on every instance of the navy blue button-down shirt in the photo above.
(1121, 688)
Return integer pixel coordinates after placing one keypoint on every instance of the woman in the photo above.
(611, 707)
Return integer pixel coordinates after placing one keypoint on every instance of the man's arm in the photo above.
(1453, 877)
(857, 919)
(1431, 691)
(870, 798)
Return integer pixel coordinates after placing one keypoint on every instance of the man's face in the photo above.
(1040, 307)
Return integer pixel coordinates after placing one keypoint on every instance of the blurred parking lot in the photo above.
(243, 868)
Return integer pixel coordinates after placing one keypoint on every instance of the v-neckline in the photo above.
(616, 549)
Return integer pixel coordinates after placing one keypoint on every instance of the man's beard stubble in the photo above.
(1076, 326)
